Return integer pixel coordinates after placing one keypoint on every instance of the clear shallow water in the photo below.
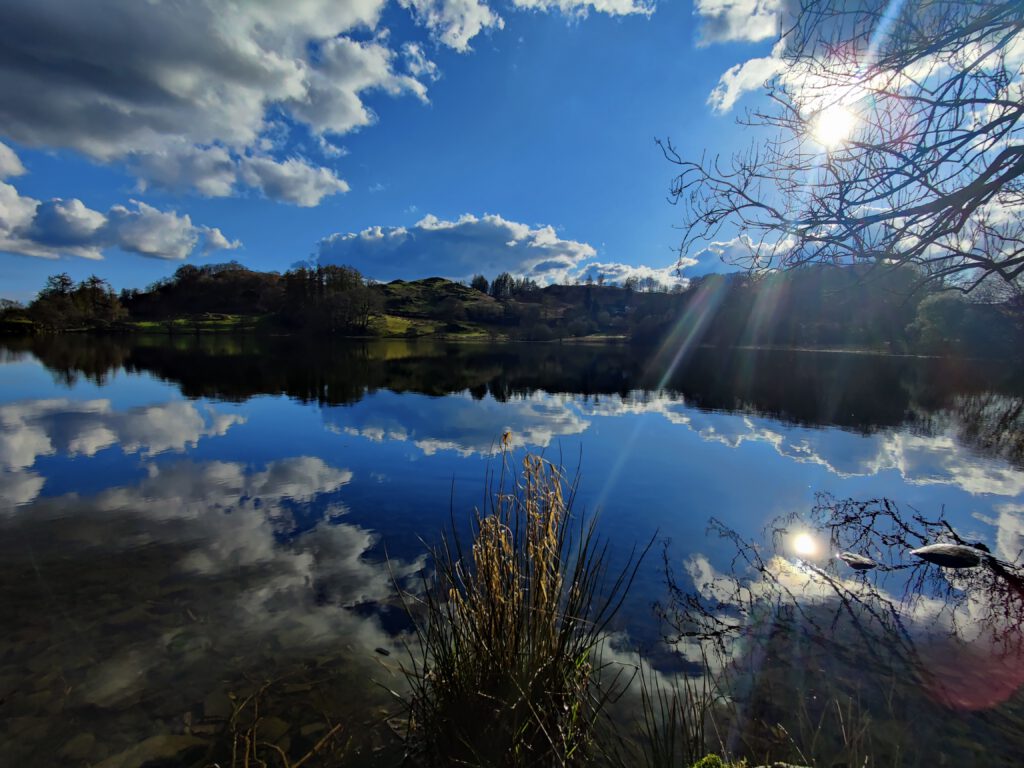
(176, 514)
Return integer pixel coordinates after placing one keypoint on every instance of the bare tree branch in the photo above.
(893, 138)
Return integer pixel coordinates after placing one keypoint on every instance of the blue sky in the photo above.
(408, 137)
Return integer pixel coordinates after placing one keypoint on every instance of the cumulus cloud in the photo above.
(723, 255)
(60, 227)
(34, 428)
(211, 171)
(65, 222)
(742, 78)
(147, 231)
(346, 69)
(737, 20)
(293, 181)
(56, 227)
(215, 172)
(615, 272)
(278, 581)
(1009, 525)
(725, 21)
(189, 95)
(459, 423)
(18, 488)
(183, 92)
(457, 249)
(582, 7)
(214, 240)
(10, 163)
(936, 459)
(454, 22)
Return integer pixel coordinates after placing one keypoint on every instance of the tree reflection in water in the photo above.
(907, 663)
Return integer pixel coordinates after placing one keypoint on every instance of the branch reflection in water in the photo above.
(820, 658)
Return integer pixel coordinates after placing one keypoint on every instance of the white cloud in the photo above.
(60, 227)
(18, 488)
(417, 63)
(582, 7)
(460, 423)
(228, 524)
(215, 172)
(198, 94)
(750, 75)
(65, 222)
(184, 92)
(1009, 526)
(457, 249)
(737, 20)
(36, 428)
(454, 22)
(293, 180)
(10, 163)
(149, 232)
(16, 212)
(937, 459)
(615, 272)
(52, 228)
(329, 148)
(215, 240)
(332, 101)
(211, 171)
(724, 255)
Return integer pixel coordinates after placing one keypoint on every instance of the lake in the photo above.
(183, 517)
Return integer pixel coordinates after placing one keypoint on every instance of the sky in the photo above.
(408, 138)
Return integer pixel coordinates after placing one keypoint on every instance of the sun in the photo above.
(833, 125)
(804, 545)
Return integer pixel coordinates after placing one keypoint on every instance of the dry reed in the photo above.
(505, 670)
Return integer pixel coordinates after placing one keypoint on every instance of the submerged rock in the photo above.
(950, 555)
(272, 729)
(857, 562)
(162, 747)
(79, 748)
(217, 706)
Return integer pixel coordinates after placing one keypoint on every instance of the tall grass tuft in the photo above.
(677, 727)
(507, 671)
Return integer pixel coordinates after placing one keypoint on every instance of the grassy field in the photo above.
(395, 326)
(209, 323)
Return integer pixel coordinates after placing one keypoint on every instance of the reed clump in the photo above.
(506, 670)
(677, 726)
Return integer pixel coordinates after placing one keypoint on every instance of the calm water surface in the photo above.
(178, 515)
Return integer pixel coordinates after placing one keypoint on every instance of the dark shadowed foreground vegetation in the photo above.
(812, 307)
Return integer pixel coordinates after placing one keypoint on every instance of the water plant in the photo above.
(506, 666)
(677, 720)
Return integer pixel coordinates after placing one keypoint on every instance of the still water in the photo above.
(178, 517)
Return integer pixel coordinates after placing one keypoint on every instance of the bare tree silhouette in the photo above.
(894, 137)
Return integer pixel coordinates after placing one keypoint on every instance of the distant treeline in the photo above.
(816, 306)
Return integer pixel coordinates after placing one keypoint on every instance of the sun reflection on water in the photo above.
(805, 545)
